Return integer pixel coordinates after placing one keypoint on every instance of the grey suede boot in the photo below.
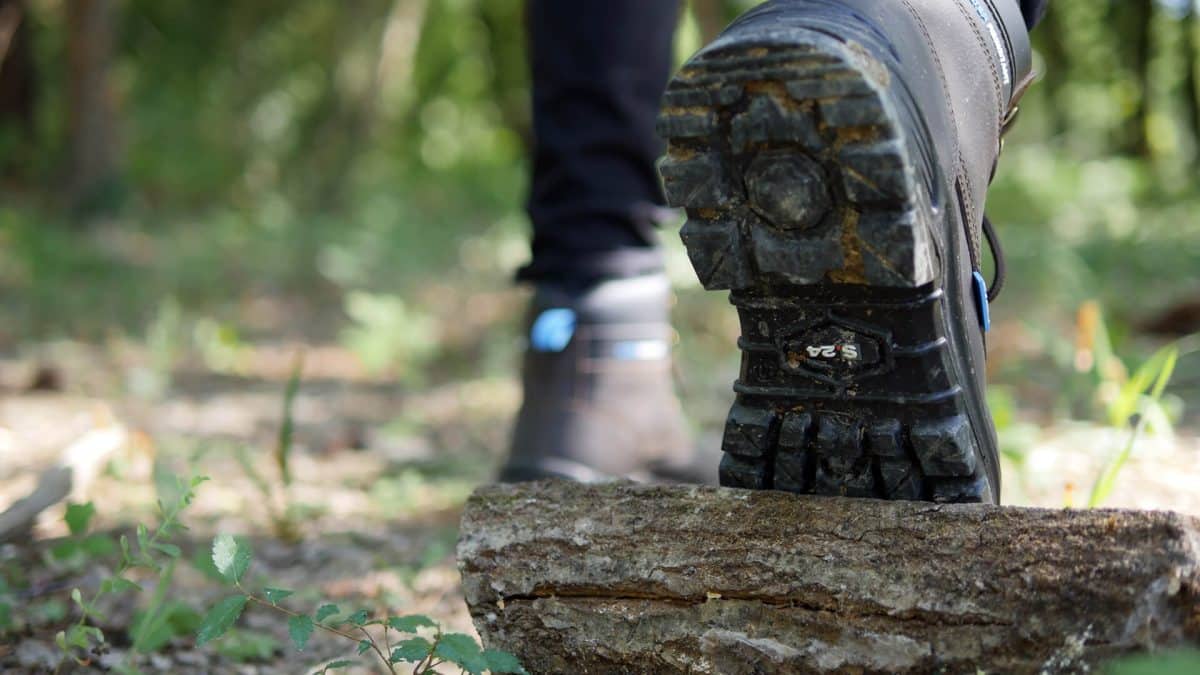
(599, 402)
(834, 159)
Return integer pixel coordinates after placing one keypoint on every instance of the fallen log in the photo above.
(625, 578)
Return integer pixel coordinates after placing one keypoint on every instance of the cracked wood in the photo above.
(631, 578)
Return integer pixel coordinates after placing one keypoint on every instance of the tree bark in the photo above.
(628, 578)
(91, 115)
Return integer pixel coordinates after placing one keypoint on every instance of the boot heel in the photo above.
(807, 200)
(793, 169)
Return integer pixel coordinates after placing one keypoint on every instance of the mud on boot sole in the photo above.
(806, 201)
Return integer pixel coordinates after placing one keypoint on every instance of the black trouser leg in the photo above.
(1033, 11)
(599, 69)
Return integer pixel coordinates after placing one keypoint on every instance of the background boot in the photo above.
(833, 158)
(599, 399)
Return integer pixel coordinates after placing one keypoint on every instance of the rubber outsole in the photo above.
(806, 200)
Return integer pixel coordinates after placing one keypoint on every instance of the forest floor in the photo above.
(380, 472)
(187, 342)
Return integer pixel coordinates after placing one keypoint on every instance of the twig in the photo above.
(386, 660)
(326, 628)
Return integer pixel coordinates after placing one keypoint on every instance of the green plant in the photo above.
(282, 510)
(1119, 395)
(1128, 403)
(1139, 403)
(425, 652)
(152, 550)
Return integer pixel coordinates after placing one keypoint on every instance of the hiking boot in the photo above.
(833, 158)
(599, 397)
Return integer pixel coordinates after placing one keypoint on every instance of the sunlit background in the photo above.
(202, 201)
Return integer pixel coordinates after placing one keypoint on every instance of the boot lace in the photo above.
(1001, 271)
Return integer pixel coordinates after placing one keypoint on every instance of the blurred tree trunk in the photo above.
(1058, 64)
(1136, 18)
(350, 110)
(1191, 83)
(510, 76)
(91, 130)
(17, 78)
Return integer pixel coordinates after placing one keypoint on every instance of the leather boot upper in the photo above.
(599, 396)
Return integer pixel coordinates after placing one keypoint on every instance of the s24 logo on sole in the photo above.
(846, 351)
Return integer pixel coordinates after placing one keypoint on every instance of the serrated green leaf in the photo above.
(502, 662)
(167, 549)
(220, 618)
(64, 549)
(125, 557)
(300, 628)
(274, 595)
(231, 557)
(78, 517)
(411, 650)
(410, 623)
(358, 618)
(463, 651)
(363, 646)
(83, 636)
(77, 597)
(325, 611)
(143, 538)
(340, 663)
(97, 545)
(201, 561)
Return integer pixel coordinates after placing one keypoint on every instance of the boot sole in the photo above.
(805, 201)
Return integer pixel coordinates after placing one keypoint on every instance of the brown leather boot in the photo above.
(599, 398)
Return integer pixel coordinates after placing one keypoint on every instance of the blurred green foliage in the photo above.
(369, 157)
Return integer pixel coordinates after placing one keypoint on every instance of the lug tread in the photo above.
(831, 454)
(799, 184)
(750, 140)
